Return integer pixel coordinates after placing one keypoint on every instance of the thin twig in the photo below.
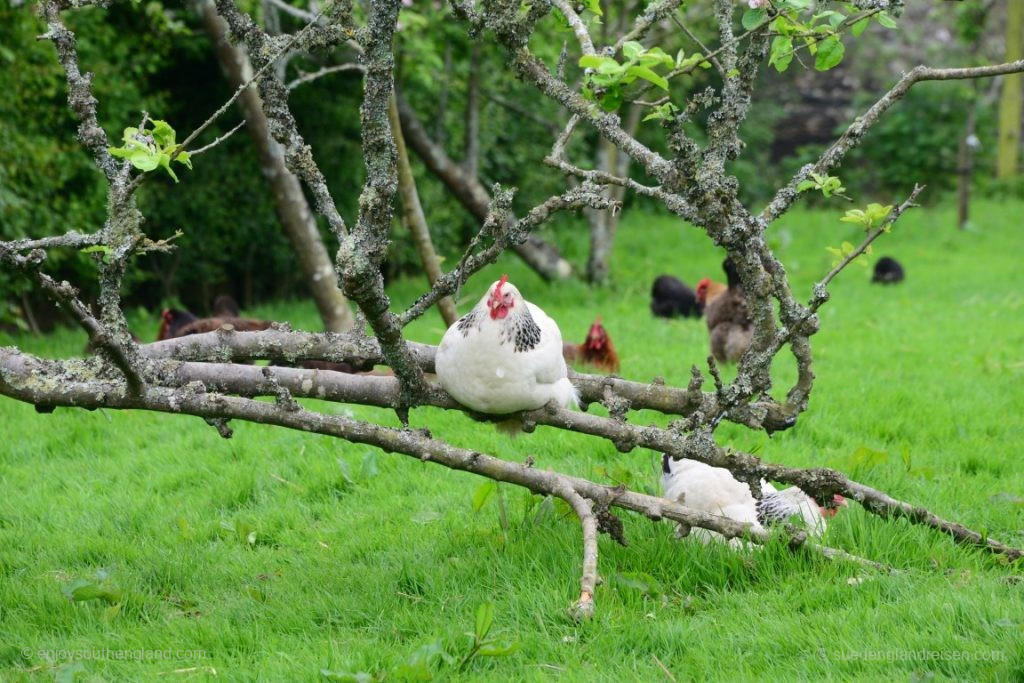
(238, 92)
(704, 50)
(219, 140)
(577, 25)
(327, 70)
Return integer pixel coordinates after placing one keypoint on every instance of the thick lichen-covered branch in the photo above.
(285, 346)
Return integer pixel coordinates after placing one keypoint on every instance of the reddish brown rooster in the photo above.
(596, 350)
(172, 320)
(708, 290)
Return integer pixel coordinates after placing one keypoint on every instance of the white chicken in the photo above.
(715, 490)
(504, 356)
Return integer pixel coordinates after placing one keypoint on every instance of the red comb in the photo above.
(501, 283)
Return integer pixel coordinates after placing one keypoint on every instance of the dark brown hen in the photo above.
(728, 320)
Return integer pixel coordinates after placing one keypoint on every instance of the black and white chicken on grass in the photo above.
(504, 356)
(716, 491)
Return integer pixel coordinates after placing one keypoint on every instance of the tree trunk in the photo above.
(442, 97)
(412, 216)
(292, 207)
(1010, 102)
(603, 223)
(471, 161)
(538, 254)
(965, 167)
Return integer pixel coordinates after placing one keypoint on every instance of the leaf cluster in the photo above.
(148, 150)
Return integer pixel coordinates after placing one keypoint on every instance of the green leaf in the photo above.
(140, 157)
(834, 18)
(484, 619)
(830, 53)
(752, 18)
(163, 133)
(101, 248)
(806, 185)
(483, 493)
(662, 111)
(594, 61)
(877, 213)
(885, 20)
(855, 216)
(632, 49)
(595, 7)
(496, 650)
(610, 67)
(858, 27)
(165, 161)
(648, 75)
(656, 57)
(695, 58)
(611, 100)
(781, 53)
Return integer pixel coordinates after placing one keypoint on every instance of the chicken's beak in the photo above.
(498, 309)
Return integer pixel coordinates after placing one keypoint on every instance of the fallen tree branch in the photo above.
(30, 379)
(283, 345)
(384, 391)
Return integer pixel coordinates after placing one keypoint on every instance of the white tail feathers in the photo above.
(566, 395)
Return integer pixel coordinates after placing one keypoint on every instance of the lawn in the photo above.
(278, 554)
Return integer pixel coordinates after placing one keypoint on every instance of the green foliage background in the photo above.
(156, 58)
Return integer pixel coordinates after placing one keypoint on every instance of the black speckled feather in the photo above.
(522, 330)
(469, 321)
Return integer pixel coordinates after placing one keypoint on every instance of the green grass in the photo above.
(359, 559)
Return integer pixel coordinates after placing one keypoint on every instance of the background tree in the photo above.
(1010, 102)
(292, 208)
